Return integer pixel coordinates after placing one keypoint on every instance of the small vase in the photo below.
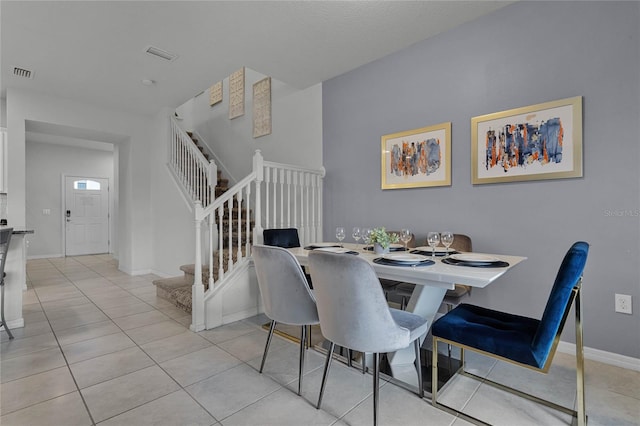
(378, 249)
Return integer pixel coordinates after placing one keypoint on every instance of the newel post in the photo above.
(258, 169)
(197, 290)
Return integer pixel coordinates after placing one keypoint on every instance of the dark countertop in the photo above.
(19, 230)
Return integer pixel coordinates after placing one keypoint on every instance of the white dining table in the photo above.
(432, 283)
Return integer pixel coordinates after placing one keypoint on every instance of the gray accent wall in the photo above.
(523, 54)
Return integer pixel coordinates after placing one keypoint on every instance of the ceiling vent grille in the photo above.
(22, 72)
(159, 53)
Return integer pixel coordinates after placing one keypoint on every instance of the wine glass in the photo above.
(355, 233)
(447, 239)
(433, 238)
(340, 234)
(366, 236)
(405, 237)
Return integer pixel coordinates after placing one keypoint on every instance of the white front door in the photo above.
(86, 215)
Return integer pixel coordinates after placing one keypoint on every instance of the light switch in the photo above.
(46, 212)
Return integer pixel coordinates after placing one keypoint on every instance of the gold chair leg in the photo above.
(580, 396)
(434, 372)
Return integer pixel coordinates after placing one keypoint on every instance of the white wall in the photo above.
(172, 221)
(132, 133)
(46, 163)
(296, 136)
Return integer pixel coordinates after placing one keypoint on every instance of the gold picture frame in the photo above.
(417, 158)
(536, 142)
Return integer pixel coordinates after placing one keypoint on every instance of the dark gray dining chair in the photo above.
(5, 239)
(354, 314)
(285, 294)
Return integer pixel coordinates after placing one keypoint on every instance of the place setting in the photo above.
(476, 260)
(433, 250)
(333, 247)
(403, 259)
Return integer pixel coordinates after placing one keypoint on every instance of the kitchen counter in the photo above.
(16, 280)
(18, 231)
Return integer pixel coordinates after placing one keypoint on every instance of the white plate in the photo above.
(472, 257)
(438, 249)
(333, 249)
(405, 257)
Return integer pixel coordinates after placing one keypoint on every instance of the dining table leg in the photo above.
(425, 301)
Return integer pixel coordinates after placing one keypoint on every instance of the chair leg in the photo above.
(434, 373)
(364, 362)
(266, 347)
(303, 338)
(376, 384)
(349, 358)
(418, 363)
(327, 365)
(580, 396)
(4, 322)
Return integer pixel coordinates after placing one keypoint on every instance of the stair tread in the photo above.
(172, 283)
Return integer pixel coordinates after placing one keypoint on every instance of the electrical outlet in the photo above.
(623, 303)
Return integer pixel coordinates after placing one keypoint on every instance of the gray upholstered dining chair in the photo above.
(285, 294)
(354, 313)
(5, 239)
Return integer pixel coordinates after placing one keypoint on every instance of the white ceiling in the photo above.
(93, 51)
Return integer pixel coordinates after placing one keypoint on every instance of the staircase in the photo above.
(177, 290)
(227, 221)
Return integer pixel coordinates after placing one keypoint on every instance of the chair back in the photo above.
(283, 286)
(283, 237)
(5, 239)
(461, 242)
(562, 294)
(351, 304)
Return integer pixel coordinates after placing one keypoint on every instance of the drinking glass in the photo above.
(366, 236)
(355, 233)
(405, 237)
(340, 234)
(447, 239)
(433, 238)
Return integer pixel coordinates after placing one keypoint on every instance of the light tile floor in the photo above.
(98, 347)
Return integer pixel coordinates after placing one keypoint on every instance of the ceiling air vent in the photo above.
(159, 53)
(22, 72)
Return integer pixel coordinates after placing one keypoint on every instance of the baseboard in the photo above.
(605, 357)
(138, 272)
(16, 323)
(44, 256)
(237, 316)
(162, 274)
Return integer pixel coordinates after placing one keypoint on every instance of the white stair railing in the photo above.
(198, 175)
(292, 198)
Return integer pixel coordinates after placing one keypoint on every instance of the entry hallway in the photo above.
(98, 347)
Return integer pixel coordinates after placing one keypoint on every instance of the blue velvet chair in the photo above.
(519, 340)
